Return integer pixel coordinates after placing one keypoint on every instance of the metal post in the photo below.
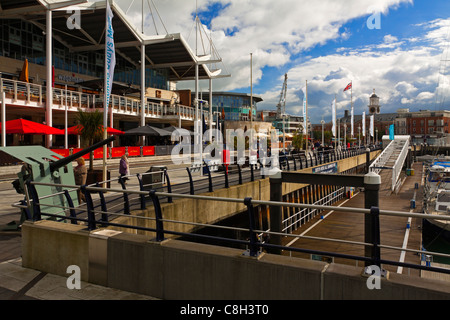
(49, 88)
(415, 159)
(158, 216)
(276, 194)
(90, 209)
(367, 160)
(191, 183)
(126, 203)
(372, 182)
(102, 204)
(71, 206)
(3, 119)
(169, 187)
(253, 250)
(141, 188)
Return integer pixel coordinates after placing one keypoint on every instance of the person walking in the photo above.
(80, 174)
(124, 168)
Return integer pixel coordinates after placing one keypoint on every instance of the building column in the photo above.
(210, 110)
(143, 100)
(49, 88)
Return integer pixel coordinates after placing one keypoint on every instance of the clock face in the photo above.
(372, 110)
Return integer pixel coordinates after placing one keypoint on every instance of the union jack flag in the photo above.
(348, 87)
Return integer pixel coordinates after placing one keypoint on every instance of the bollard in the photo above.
(276, 184)
(372, 182)
(367, 160)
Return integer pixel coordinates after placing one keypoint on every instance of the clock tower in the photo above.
(374, 107)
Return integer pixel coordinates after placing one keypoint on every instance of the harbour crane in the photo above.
(281, 107)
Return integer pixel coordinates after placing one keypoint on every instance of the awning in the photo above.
(147, 131)
(22, 126)
(77, 130)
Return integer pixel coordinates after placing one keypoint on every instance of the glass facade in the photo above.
(23, 40)
(236, 107)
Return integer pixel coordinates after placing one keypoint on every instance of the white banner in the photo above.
(352, 122)
(371, 125)
(333, 113)
(364, 124)
(110, 56)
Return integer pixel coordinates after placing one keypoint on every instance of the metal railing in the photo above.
(255, 238)
(19, 92)
(398, 165)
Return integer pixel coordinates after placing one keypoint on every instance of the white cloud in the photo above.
(403, 71)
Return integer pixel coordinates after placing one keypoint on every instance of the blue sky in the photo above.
(328, 44)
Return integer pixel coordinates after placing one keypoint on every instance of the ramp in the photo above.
(390, 163)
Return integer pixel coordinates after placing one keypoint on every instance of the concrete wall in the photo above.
(203, 211)
(176, 269)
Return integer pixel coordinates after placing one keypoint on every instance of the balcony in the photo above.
(18, 93)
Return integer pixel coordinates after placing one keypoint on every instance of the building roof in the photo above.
(169, 51)
(237, 94)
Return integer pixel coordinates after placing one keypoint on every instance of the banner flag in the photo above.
(110, 57)
(371, 125)
(333, 112)
(364, 123)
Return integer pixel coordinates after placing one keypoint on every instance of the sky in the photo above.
(399, 48)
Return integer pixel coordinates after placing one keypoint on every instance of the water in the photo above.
(435, 242)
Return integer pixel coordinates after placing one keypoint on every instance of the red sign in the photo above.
(134, 151)
(117, 152)
(148, 151)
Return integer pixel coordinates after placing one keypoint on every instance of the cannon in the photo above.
(45, 166)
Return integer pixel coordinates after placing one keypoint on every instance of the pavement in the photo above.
(19, 283)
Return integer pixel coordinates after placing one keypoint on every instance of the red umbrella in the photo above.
(77, 130)
(22, 126)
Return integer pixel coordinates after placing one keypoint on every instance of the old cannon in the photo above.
(45, 166)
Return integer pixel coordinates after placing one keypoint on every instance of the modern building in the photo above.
(233, 106)
(66, 62)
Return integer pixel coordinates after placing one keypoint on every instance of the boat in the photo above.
(437, 197)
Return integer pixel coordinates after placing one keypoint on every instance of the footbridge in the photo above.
(389, 164)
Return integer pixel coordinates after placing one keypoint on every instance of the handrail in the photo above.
(397, 168)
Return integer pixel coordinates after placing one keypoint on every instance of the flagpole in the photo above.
(351, 104)
(105, 107)
(306, 114)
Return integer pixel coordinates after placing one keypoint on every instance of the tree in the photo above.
(92, 130)
(298, 140)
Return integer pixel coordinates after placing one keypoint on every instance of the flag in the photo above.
(352, 122)
(223, 113)
(348, 87)
(371, 125)
(110, 56)
(364, 124)
(391, 132)
(333, 113)
(24, 73)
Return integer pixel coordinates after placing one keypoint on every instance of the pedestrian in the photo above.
(124, 168)
(80, 174)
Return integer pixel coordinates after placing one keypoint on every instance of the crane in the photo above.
(281, 107)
